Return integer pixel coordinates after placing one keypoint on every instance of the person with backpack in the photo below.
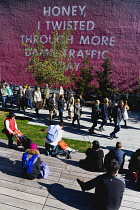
(54, 135)
(32, 166)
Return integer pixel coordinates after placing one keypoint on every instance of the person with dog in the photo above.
(10, 128)
(108, 188)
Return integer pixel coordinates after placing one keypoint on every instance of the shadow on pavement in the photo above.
(74, 198)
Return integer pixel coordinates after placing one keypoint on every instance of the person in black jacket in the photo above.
(61, 104)
(117, 116)
(94, 159)
(95, 116)
(104, 113)
(108, 188)
(52, 107)
(21, 99)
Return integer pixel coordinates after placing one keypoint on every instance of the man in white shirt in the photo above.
(52, 147)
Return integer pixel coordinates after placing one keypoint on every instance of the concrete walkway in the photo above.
(60, 190)
(130, 136)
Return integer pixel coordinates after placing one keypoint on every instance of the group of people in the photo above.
(95, 160)
(108, 110)
(108, 188)
(6, 94)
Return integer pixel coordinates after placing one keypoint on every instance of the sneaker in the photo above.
(111, 137)
(100, 129)
(81, 184)
(116, 137)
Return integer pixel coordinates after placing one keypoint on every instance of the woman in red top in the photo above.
(10, 128)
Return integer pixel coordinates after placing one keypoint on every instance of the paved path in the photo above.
(60, 190)
(130, 136)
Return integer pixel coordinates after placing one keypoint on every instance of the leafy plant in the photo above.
(50, 65)
(104, 80)
(83, 80)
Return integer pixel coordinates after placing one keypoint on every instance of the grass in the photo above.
(37, 134)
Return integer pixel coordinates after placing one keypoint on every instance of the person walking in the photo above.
(21, 99)
(95, 115)
(52, 107)
(77, 113)
(108, 188)
(9, 94)
(3, 96)
(61, 104)
(37, 100)
(82, 103)
(46, 95)
(29, 97)
(104, 113)
(61, 91)
(125, 113)
(117, 116)
(70, 106)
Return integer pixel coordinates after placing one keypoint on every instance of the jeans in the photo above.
(51, 150)
(3, 98)
(104, 122)
(29, 103)
(116, 129)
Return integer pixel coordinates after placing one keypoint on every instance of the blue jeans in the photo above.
(116, 129)
(3, 98)
(51, 150)
(29, 103)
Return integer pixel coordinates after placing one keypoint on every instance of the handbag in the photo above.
(3, 130)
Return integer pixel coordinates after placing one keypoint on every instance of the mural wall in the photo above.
(100, 28)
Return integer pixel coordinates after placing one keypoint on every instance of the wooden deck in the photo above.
(59, 191)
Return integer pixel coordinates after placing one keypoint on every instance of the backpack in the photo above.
(52, 133)
(27, 164)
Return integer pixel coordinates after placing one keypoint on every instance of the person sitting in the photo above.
(32, 166)
(134, 166)
(51, 145)
(94, 159)
(117, 154)
(10, 128)
(108, 188)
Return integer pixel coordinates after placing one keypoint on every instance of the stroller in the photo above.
(63, 148)
(22, 140)
(60, 149)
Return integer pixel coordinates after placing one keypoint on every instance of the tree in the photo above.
(50, 66)
(83, 80)
(104, 80)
